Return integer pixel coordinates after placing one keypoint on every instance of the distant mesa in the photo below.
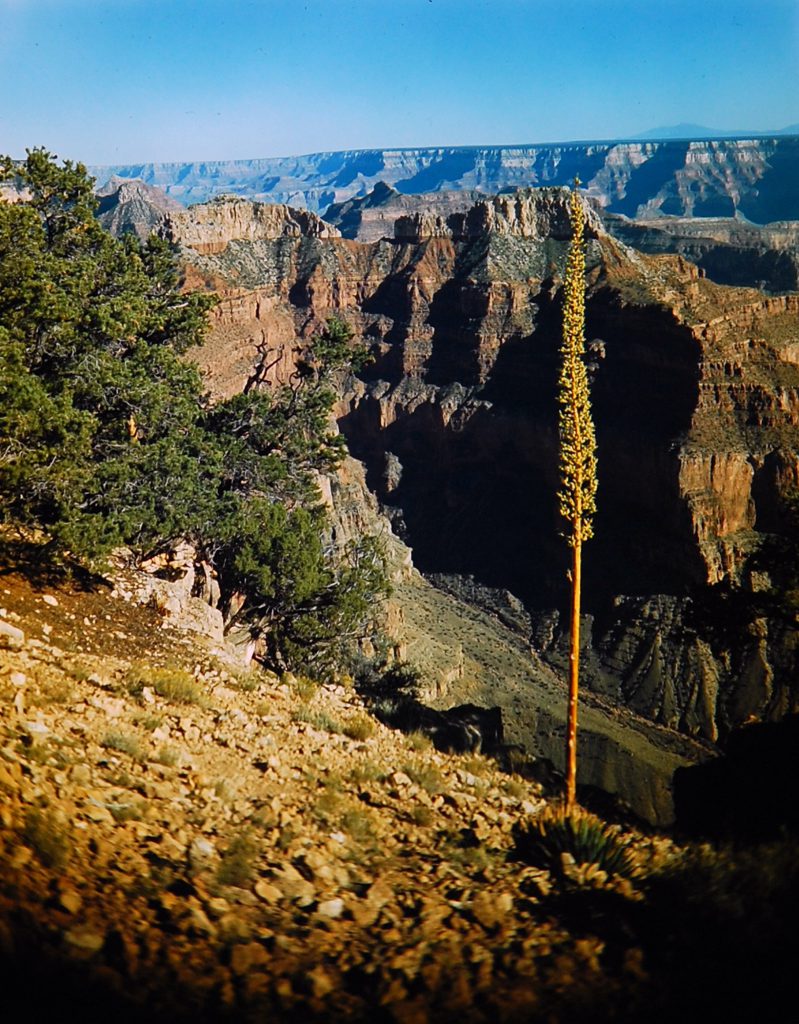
(687, 172)
(689, 131)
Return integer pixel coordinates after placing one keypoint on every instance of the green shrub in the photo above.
(173, 684)
(320, 720)
(123, 744)
(246, 681)
(237, 866)
(109, 438)
(421, 815)
(168, 756)
(419, 742)
(360, 728)
(426, 776)
(366, 771)
(305, 688)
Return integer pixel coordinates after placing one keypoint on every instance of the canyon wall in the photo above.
(729, 250)
(696, 400)
(754, 178)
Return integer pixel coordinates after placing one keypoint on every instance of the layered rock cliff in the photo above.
(696, 397)
(729, 250)
(706, 178)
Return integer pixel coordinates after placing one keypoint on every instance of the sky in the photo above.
(128, 81)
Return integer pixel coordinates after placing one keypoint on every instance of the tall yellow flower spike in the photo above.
(578, 468)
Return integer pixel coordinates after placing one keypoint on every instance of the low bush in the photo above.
(545, 840)
(237, 866)
(173, 684)
(123, 744)
(46, 834)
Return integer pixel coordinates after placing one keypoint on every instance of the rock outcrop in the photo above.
(212, 227)
(706, 178)
(131, 207)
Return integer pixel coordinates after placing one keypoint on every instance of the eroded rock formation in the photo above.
(210, 228)
(696, 397)
(131, 207)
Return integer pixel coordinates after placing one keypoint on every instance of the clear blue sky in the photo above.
(118, 81)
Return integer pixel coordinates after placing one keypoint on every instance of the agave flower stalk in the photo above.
(578, 475)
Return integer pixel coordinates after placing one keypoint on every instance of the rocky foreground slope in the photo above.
(184, 839)
(706, 178)
(697, 407)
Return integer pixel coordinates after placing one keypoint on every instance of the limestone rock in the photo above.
(85, 940)
(11, 636)
(331, 908)
(211, 227)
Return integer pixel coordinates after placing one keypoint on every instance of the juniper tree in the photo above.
(107, 437)
(577, 495)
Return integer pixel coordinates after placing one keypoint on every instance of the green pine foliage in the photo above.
(107, 438)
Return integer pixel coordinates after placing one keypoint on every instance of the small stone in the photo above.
(98, 813)
(400, 779)
(218, 906)
(201, 852)
(89, 941)
(246, 956)
(504, 903)
(198, 922)
(36, 730)
(489, 909)
(70, 901)
(331, 908)
(233, 929)
(321, 982)
(49, 599)
(80, 774)
(11, 636)
(267, 892)
(21, 857)
(18, 679)
(10, 777)
(292, 884)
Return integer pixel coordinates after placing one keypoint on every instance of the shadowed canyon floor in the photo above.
(481, 661)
